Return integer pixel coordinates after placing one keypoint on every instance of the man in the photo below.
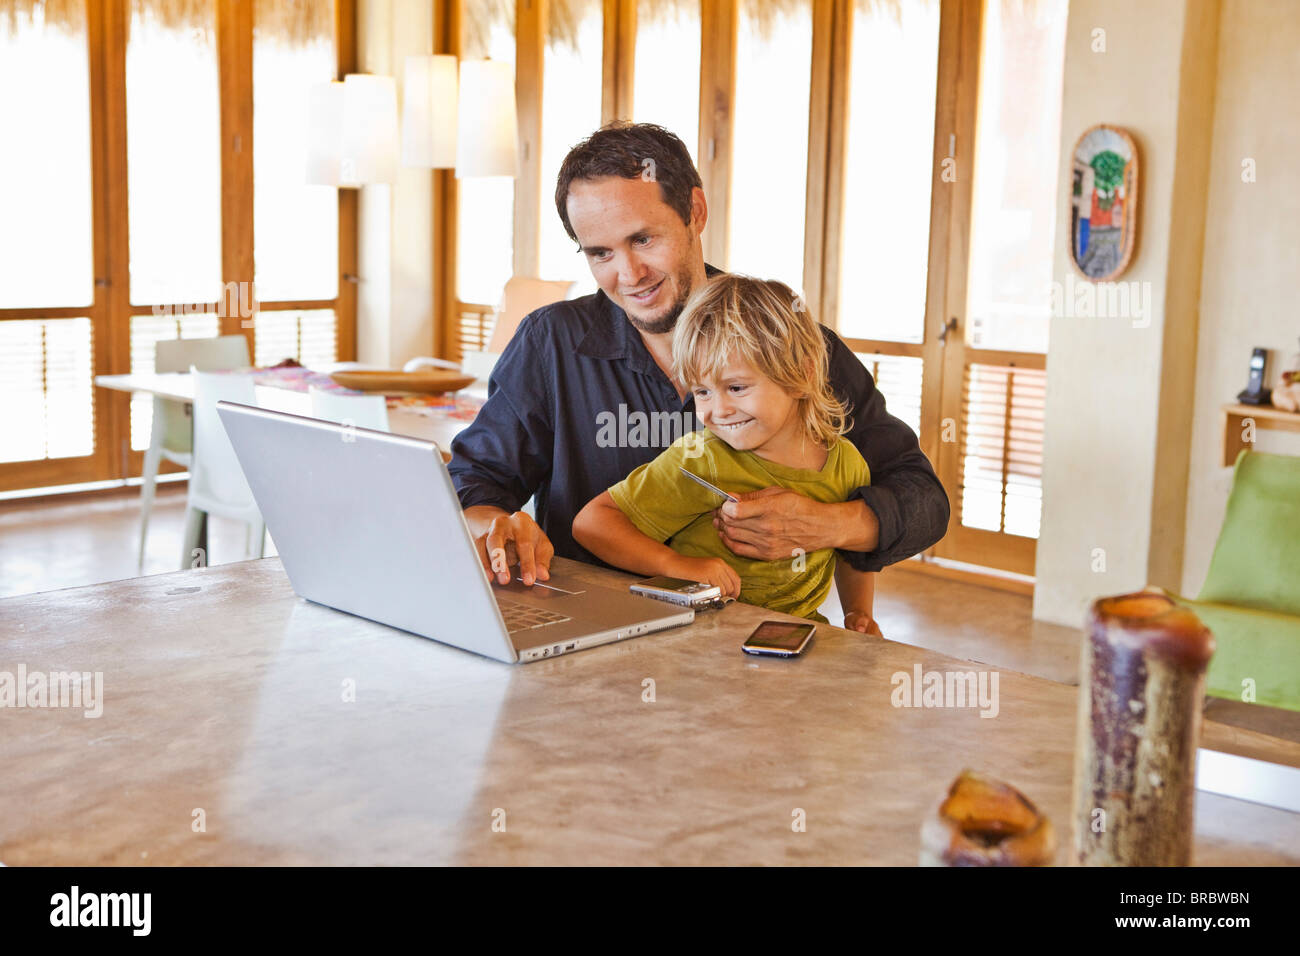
(570, 399)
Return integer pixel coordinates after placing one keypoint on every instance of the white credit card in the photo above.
(1256, 781)
(713, 488)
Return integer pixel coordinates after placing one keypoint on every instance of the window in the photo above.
(307, 336)
(769, 176)
(46, 240)
(571, 94)
(176, 225)
(904, 180)
(173, 143)
(1018, 133)
(888, 171)
(45, 230)
(296, 238)
(295, 225)
(1002, 449)
(1002, 287)
(666, 67)
(899, 378)
(93, 280)
(45, 368)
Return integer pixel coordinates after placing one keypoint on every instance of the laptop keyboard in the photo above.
(525, 617)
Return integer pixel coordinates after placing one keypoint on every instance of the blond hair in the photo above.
(764, 323)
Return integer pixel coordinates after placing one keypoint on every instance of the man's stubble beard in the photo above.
(669, 319)
(659, 326)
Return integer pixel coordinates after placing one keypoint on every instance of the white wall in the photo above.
(1252, 247)
(1119, 389)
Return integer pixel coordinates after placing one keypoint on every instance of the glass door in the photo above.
(53, 316)
(998, 302)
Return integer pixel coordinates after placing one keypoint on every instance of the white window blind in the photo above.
(898, 377)
(309, 337)
(46, 390)
(1002, 450)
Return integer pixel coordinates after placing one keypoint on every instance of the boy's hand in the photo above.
(709, 570)
(862, 622)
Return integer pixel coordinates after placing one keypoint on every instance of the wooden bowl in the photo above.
(427, 381)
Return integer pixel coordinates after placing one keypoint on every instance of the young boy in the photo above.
(757, 366)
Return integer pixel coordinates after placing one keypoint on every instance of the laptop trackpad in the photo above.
(540, 591)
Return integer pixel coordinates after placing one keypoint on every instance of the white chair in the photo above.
(363, 411)
(171, 436)
(217, 483)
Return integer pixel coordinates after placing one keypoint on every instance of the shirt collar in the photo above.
(613, 336)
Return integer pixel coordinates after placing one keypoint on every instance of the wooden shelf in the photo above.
(1264, 416)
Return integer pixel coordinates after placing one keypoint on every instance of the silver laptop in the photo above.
(369, 523)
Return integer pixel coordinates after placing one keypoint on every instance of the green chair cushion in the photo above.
(1254, 649)
(1256, 561)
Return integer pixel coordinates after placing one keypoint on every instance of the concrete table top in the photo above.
(243, 725)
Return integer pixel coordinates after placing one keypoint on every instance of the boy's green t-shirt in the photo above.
(667, 506)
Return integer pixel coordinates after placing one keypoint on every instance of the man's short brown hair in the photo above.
(631, 151)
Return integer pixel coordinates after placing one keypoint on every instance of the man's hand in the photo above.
(774, 524)
(862, 622)
(515, 539)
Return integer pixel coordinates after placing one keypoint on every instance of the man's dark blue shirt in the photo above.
(576, 402)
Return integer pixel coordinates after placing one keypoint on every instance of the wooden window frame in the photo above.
(111, 311)
(949, 257)
(956, 104)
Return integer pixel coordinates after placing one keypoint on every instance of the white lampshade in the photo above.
(324, 133)
(487, 136)
(429, 112)
(369, 130)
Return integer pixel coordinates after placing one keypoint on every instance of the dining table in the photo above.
(236, 723)
(438, 420)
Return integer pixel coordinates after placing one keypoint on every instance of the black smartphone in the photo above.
(779, 639)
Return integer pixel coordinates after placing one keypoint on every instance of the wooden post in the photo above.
(618, 60)
(719, 19)
(1142, 680)
(235, 80)
(345, 307)
(531, 19)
